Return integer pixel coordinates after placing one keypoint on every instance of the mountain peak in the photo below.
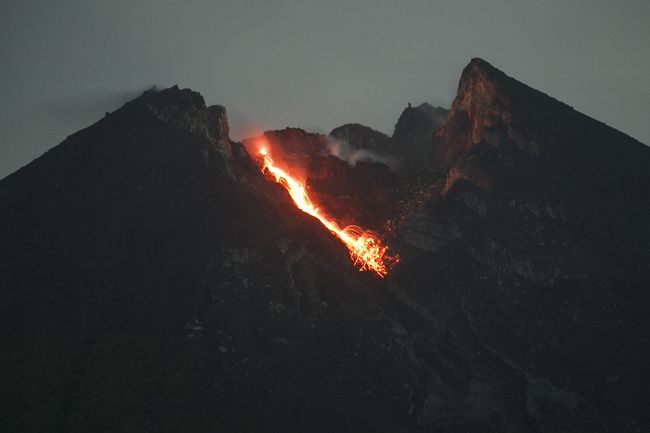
(499, 126)
(494, 109)
(174, 96)
(180, 106)
(479, 66)
(481, 81)
(360, 136)
(422, 119)
(186, 110)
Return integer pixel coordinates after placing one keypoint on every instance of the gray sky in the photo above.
(312, 63)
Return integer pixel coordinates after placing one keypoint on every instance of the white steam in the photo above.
(343, 150)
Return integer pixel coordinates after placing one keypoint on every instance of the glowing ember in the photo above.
(365, 246)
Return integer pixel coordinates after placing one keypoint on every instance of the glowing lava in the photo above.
(365, 246)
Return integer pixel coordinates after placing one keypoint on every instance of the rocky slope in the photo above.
(152, 279)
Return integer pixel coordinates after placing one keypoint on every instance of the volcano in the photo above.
(156, 275)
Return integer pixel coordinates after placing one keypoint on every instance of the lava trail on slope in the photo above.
(366, 248)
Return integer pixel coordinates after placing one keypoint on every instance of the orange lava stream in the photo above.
(365, 247)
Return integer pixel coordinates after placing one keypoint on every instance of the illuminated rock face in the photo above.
(152, 279)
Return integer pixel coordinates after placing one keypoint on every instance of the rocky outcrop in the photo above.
(186, 110)
(413, 134)
(361, 137)
(482, 113)
(408, 149)
(416, 122)
(530, 134)
(294, 142)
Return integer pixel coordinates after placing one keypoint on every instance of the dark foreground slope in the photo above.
(152, 280)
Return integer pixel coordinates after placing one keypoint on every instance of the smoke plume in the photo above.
(343, 150)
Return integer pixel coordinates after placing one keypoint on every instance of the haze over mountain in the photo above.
(152, 278)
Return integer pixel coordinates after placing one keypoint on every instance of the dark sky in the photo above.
(313, 64)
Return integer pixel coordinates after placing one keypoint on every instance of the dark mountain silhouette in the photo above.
(361, 137)
(153, 279)
(410, 143)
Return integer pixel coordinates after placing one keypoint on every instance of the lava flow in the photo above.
(365, 247)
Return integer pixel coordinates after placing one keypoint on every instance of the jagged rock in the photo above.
(413, 135)
(415, 122)
(361, 137)
(186, 110)
(531, 134)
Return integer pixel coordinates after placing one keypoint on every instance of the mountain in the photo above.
(361, 137)
(546, 230)
(415, 123)
(410, 144)
(152, 278)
